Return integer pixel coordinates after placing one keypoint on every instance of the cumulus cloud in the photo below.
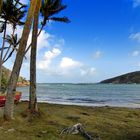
(43, 40)
(66, 67)
(135, 36)
(88, 71)
(68, 63)
(136, 3)
(135, 53)
(51, 60)
(73, 68)
(48, 58)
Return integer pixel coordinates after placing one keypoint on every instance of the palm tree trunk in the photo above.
(9, 105)
(33, 98)
(1, 2)
(37, 36)
(2, 49)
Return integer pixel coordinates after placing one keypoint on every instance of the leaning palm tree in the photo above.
(51, 7)
(9, 106)
(12, 13)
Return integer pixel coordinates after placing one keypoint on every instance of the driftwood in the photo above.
(77, 129)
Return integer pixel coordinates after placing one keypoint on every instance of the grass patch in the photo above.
(106, 122)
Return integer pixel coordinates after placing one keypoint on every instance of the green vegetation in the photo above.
(5, 77)
(129, 78)
(12, 13)
(104, 122)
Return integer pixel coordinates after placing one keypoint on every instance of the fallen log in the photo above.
(78, 129)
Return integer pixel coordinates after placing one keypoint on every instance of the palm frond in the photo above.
(60, 19)
(56, 11)
(13, 12)
(1, 27)
(10, 54)
(50, 8)
(4, 48)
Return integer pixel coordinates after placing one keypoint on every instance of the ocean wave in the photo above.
(86, 100)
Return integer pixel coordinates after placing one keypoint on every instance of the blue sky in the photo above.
(102, 41)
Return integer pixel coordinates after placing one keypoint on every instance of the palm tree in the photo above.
(13, 42)
(33, 99)
(9, 106)
(47, 7)
(1, 2)
(11, 13)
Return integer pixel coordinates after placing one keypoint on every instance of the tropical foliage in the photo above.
(9, 106)
(12, 13)
(49, 9)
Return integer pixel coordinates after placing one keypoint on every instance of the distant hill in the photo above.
(5, 77)
(129, 78)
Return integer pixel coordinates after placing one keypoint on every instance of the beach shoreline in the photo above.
(86, 105)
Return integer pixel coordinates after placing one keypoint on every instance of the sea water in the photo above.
(120, 95)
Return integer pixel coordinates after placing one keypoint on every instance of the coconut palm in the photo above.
(50, 8)
(9, 105)
(33, 99)
(12, 13)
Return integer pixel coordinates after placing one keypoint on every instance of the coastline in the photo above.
(129, 106)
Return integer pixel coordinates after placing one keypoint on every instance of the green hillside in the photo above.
(5, 77)
(129, 78)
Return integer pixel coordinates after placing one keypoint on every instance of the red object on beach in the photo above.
(3, 98)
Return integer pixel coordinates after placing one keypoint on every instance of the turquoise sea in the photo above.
(120, 95)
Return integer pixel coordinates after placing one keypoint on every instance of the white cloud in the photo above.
(51, 62)
(88, 71)
(52, 54)
(18, 30)
(48, 58)
(97, 54)
(71, 68)
(66, 67)
(135, 36)
(135, 53)
(68, 63)
(43, 40)
(136, 3)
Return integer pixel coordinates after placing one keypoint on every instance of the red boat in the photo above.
(3, 98)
